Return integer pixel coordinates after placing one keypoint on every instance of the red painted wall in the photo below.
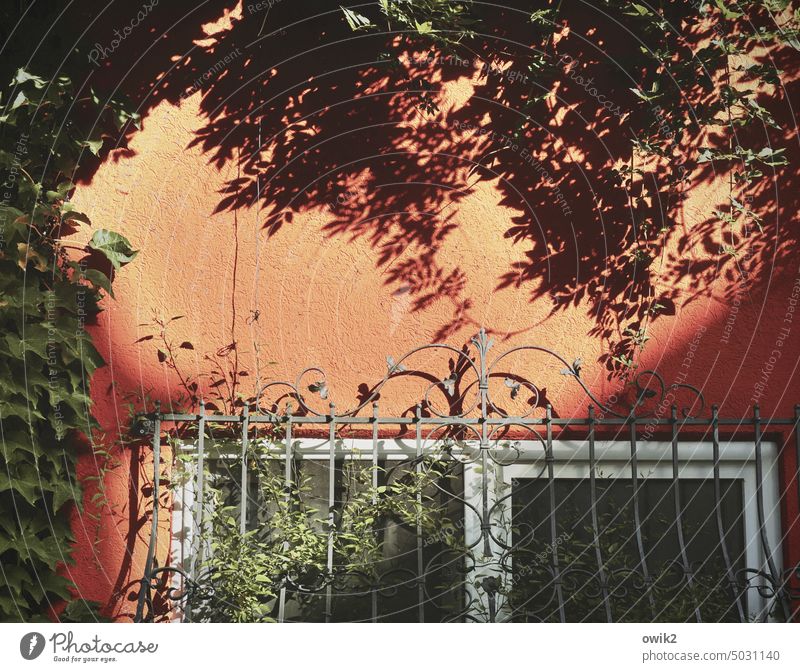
(357, 227)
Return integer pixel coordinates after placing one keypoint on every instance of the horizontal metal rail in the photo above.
(256, 419)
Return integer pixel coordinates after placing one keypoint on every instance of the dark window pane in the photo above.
(671, 597)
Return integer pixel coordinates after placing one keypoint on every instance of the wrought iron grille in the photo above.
(649, 508)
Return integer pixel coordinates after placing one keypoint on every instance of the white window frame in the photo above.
(654, 460)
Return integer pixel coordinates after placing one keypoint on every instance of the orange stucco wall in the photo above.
(343, 297)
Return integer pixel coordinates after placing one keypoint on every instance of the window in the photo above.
(570, 547)
(535, 528)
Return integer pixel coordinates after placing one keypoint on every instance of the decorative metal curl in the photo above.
(649, 385)
(177, 596)
(645, 392)
(394, 370)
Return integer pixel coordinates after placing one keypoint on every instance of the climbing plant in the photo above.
(242, 575)
(49, 294)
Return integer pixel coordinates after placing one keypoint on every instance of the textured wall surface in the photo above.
(325, 300)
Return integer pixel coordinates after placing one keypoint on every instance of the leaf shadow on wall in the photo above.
(313, 117)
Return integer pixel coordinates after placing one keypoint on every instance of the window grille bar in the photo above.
(331, 510)
(287, 476)
(420, 559)
(551, 486)
(485, 508)
(198, 509)
(375, 428)
(144, 591)
(637, 518)
(726, 557)
(676, 491)
(243, 513)
(601, 572)
(777, 579)
(197, 522)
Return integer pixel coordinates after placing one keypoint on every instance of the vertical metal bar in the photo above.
(676, 493)
(287, 476)
(374, 588)
(243, 513)
(550, 459)
(486, 523)
(420, 557)
(726, 557)
(637, 521)
(144, 590)
(490, 583)
(199, 508)
(762, 530)
(331, 509)
(199, 494)
(601, 572)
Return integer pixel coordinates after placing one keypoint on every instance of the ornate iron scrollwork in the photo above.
(180, 598)
(471, 367)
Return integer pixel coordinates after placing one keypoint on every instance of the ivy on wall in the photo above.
(48, 294)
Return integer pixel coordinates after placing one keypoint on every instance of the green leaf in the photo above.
(62, 494)
(640, 10)
(22, 77)
(705, 156)
(542, 16)
(93, 146)
(19, 101)
(727, 12)
(772, 157)
(114, 246)
(355, 20)
(99, 279)
(61, 192)
(74, 216)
